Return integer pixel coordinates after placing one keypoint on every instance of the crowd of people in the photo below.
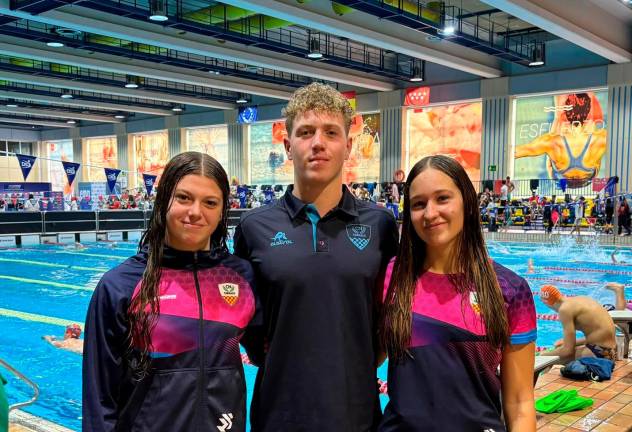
(500, 211)
(42, 201)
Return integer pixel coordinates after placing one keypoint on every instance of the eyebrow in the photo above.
(189, 193)
(437, 192)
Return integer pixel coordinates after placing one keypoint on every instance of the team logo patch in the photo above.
(360, 235)
(229, 292)
(474, 303)
(280, 239)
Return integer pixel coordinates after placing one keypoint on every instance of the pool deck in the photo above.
(611, 412)
(21, 421)
(539, 236)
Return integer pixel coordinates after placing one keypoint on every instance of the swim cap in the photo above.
(550, 295)
(74, 330)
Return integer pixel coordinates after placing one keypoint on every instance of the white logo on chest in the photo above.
(229, 292)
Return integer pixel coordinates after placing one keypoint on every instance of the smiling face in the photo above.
(318, 146)
(436, 209)
(194, 213)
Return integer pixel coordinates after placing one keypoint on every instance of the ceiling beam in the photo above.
(585, 24)
(152, 34)
(35, 122)
(367, 29)
(59, 114)
(18, 47)
(81, 103)
(111, 90)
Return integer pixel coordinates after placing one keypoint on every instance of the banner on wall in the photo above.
(452, 130)
(363, 164)
(71, 169)
(111, 175)
(26, 163)
(148, 181)
(268, 162)
(561, 137)
(351, 97)
(417, 96)
(247, 114)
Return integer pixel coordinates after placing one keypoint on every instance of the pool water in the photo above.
(46, 287)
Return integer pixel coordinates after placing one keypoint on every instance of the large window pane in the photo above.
(101, 153)
(150, 154)
(59, 151)
(210, 140)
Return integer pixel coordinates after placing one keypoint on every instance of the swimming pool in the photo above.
(46, 287)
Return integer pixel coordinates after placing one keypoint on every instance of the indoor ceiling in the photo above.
(64, 63)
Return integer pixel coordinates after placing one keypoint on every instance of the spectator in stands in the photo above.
(580, 208)
(624, 217)
(399, 176)
(510, 188)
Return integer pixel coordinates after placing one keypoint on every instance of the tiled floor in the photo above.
(611, 412)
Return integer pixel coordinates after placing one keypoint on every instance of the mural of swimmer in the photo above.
(561, 137)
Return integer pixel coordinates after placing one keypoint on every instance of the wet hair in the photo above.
(581, 107)
(474, 270)
(73, 330)
(144, 308)
(320, 98)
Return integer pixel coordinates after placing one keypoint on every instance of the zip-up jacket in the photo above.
(196, 380)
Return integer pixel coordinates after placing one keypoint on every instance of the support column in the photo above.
(237, 152)
(172, 124)
(619, 124)
(495, 148)
(391, 125)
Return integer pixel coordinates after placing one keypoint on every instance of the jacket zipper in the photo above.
(202, 376)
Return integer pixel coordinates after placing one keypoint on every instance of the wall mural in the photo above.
(150, 154)
(59, 151)
(210, 140)
(102, 153)
(561, 137)
(451, 130)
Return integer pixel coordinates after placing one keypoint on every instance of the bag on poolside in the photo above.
(575, 370)
(600, 369)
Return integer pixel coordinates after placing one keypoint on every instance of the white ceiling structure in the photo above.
(189, 62)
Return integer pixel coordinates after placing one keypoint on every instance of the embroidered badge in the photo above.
(280, 239)
(360, 235)
(474, 303)
(229, 292)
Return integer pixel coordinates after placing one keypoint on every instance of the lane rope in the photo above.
(26, 316)
(41, 282)
(45, 264)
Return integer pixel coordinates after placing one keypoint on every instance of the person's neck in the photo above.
(440, 260)
(323, 196)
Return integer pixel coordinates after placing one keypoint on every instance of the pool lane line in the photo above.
(26, 316)
(45, 264)
(121, 257)
(588, 270)
(43, 282)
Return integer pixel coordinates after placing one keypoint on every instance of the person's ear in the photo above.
(288, 148)
(348, 147)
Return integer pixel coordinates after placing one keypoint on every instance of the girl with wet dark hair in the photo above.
(451, 316)
(163, 328)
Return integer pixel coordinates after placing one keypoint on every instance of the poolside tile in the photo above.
(626, 409)
(589, 392)
(552, 428)
(605, 394)
(623, 398)
(607, 427)
(586, 423)
(566, 419)
(612, 406)
(600, 414)
(621, 420)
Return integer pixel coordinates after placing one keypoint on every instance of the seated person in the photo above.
(581, 314)
(70, 342)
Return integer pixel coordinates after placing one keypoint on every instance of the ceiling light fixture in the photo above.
(71, 122)
(242, 99)
(119, 116)
(537, 56)
(54, 44)
(314, 48)
(11, 104)
(158, 10)
(176, 108)
(418, 71)
(132, 82)
(66, 96)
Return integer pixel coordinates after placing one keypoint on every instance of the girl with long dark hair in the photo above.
(163, 328)
(451, 316)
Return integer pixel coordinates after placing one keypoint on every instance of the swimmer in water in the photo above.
(530, 268)
(70, 342)
(614, 258)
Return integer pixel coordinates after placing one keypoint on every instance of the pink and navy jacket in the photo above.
(196, 382)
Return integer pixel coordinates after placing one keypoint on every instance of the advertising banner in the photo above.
(148, 181)
(111, 175)
(71, 169)
(26, 163)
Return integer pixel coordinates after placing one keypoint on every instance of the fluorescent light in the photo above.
(416, 79)
(536, 63)
(176, 109)
(131, 85)
(448, 30)
(241, 100)
(54, 44)
(119, 116)
(12, 105)
(66, 96)
(71, 122)
(159, 18)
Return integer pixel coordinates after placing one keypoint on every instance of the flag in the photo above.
(111, 175)
(71, 169)
(149, 181)
(351, 97)
(26, 163)
(417, 96)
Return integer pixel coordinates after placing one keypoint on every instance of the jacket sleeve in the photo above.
(103, 364)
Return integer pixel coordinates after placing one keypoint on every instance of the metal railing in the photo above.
(22, 377)
(542, 187)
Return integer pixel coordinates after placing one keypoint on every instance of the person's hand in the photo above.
(614, 285)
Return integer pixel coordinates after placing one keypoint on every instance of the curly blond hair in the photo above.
(320, 98)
